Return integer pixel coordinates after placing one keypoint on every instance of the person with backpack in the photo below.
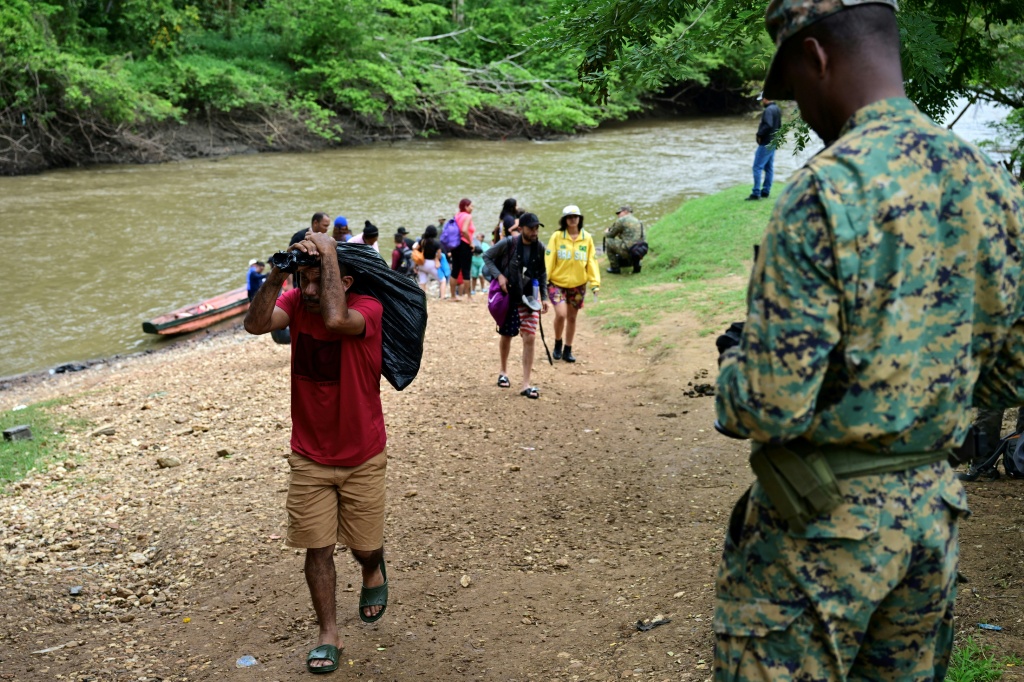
(516, 262)
(571, 264)
(401, 256)
(429, 249)
(622, 239)
(457, 240)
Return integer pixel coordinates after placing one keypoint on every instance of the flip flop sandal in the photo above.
(374, 596)
(324, 652)
(532, 393)
(503, 381)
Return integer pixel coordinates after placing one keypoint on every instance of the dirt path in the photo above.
(570, 518)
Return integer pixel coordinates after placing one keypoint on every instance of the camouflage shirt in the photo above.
(886, 299)
(626, 228)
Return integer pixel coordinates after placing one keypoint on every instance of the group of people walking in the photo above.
(459, 258)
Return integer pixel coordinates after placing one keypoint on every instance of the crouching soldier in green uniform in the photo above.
(623, 233)
(885, 302)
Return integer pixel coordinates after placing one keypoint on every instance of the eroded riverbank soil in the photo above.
(525, 539)
(75, 142)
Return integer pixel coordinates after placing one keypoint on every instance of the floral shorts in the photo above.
(574, 296)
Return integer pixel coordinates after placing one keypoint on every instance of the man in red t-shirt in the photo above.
(339, 446)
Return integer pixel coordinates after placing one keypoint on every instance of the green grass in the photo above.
(974, 662)
(692, 250)
(17, 458)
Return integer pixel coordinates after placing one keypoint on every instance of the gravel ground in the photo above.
(525, 539)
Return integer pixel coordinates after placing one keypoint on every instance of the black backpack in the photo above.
(405, 264)
(639, 248)
(1010, 450)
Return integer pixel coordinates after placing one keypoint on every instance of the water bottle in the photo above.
(536, 291)
(246, 662)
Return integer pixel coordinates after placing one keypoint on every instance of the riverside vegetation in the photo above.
(86, 81)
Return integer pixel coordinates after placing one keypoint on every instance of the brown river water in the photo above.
(91, 253)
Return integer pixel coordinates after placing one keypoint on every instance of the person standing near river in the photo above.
(368, 236)
(462, 255)
(507, 220)
(254, 278)
(338, 444)
(885, 301)
(618, 239)
(515, 262)
(320, 222)
(341, 232)
(764, 156)
(571, 264)
(430, 269)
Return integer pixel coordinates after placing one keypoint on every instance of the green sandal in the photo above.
(324, 652)
(374, 596)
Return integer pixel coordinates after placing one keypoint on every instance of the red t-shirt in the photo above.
(337, 418)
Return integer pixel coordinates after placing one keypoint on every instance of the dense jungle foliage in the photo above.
(85, 81)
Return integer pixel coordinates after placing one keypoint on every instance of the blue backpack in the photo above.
(450, 235)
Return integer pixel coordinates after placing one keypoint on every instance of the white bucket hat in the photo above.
(571, 209)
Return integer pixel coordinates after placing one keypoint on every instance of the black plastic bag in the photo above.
(405, 310)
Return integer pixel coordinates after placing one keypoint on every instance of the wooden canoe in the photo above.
(200, 315)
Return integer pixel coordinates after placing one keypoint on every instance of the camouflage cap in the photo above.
(785, 18)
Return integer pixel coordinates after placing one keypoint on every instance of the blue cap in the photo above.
(340, 221)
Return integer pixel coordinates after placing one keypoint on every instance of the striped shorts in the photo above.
(520, 320)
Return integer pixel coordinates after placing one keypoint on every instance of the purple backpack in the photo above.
(450, 235)
(497, 302)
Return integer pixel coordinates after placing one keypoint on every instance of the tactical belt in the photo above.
(801, 479)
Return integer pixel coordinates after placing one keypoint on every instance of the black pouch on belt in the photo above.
(799, 486)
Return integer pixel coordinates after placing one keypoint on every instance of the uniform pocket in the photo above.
(757, 639)
(953, 494)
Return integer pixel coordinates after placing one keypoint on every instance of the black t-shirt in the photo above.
(430, 247)
(507, 220)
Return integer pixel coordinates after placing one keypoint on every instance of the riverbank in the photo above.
(699, 261)
(221, 136)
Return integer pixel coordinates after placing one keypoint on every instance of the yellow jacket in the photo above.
(572, 263)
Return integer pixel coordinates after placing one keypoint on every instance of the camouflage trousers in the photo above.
(618, 248)
(866, 592)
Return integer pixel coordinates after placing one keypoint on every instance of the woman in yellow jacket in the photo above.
(572, 265)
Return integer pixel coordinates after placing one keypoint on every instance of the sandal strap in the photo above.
(323, 653)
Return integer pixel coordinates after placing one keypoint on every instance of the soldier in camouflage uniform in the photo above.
(886, 301)
(623, 233)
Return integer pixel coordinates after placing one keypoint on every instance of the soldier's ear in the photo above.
(816, 57)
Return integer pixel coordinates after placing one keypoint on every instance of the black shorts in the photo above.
(462, 261)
